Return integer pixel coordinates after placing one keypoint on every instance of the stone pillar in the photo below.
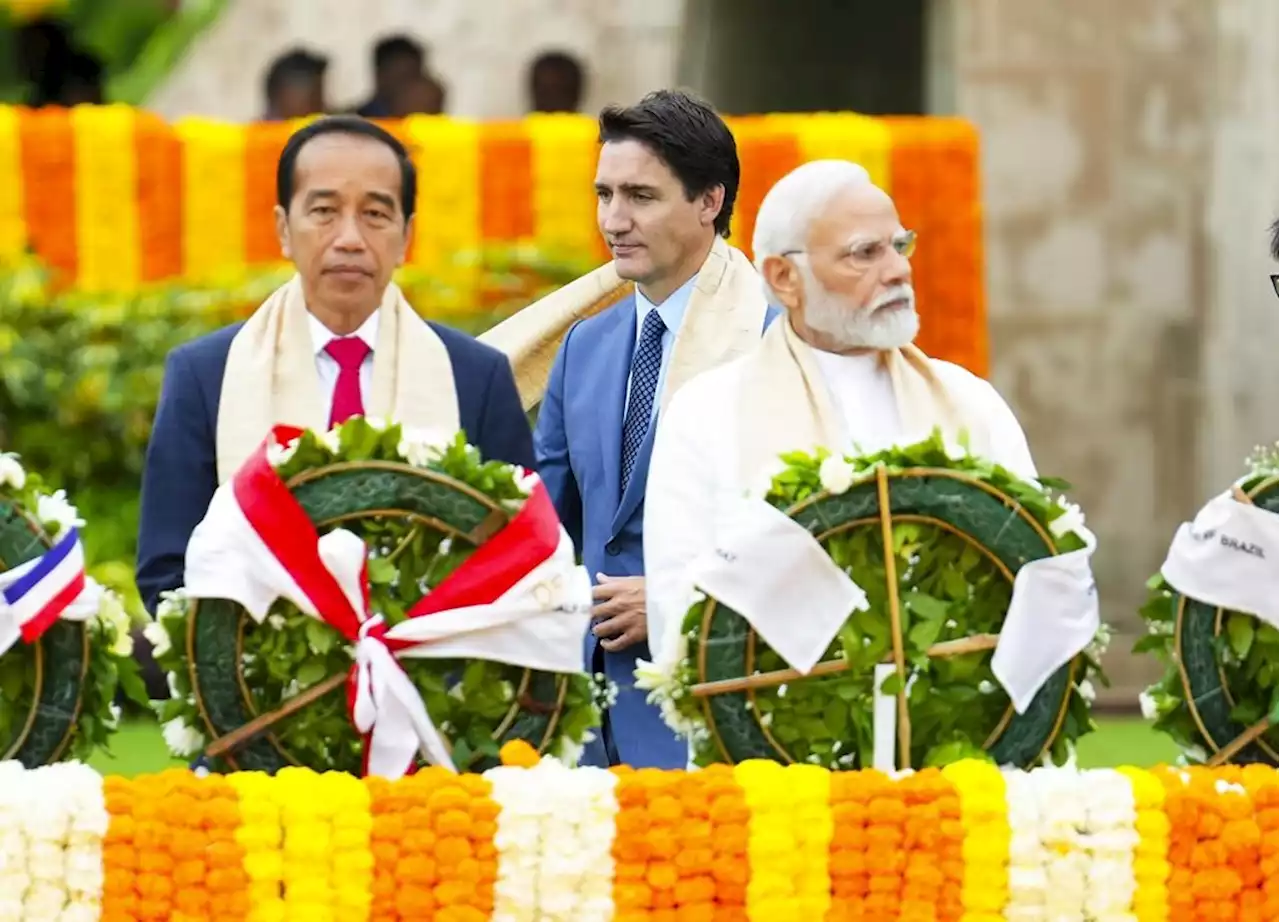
(1129, 170)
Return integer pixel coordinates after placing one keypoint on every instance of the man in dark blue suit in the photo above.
(666, 182)
(337, 339)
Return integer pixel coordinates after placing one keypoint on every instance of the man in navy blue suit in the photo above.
(337, 341)
(666, 182)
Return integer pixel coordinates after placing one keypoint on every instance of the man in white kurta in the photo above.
(838, 370)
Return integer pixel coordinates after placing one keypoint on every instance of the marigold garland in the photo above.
(534, 839)
(1151, 854)
(985, 883)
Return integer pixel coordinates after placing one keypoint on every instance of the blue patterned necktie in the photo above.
(646, 365)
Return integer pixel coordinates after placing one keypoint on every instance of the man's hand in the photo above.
(619, 611)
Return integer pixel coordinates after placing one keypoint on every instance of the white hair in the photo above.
(790, 207)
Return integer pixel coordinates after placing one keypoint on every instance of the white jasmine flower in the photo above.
(1147, 702)
(332, 440)
(419, 447)
(183, 741)
(835, 474)
(57, 513)
(11, 472)
(111, 615)
(1087, 691)
(275, 621)
(526, 480)
(1071, 519)
(158, 637)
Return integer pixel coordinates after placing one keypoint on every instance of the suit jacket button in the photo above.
(612, 549)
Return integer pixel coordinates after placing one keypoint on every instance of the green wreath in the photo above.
(1217, 696)
(959, 529)
(273, 694)
(57, 695)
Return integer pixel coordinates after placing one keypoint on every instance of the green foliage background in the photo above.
(138, 41)
(80, 375)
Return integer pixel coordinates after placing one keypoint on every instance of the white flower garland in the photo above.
(52, 823)
(1058, 793)
(1028, 879)
(14, 879)
(1109, 839)
(555, 843)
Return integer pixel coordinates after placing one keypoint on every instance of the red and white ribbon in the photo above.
(519, 599)
(39, 592)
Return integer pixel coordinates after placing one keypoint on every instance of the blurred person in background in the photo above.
(398, 61)
(294, 86)
(43, 47)
(423, 95)
(81, 81)
(556, 82)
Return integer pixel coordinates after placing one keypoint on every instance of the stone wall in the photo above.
(1096, 123)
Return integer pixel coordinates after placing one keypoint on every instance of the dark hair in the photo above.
(293, 65)
(558, 60)
(688, 136)
(395, 46)
(1275, 239)
(286, 167)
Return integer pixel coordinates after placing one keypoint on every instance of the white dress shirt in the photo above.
(327, 366)
(694, 475)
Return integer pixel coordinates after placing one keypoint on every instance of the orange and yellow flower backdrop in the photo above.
(113, 198)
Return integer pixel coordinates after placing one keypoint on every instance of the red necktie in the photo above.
(349, 352)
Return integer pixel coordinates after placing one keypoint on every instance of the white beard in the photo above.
(860, 328)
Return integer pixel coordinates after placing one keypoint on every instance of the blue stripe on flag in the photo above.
(46, 565)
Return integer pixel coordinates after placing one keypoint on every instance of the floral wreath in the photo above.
(425, 507)
(65, 645)
(1217, 698)
(735, 698)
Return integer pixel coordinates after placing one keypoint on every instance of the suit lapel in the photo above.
(635, 489)
(616, 346)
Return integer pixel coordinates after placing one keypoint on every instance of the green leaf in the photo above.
(1240, 631)
(1150, 643)
(382, 572)
(836, 718)
(311, 672)
(891, 685)
(320, 637)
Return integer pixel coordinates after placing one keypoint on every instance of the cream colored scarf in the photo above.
(784, 403)
(723, 321)
(271, 376)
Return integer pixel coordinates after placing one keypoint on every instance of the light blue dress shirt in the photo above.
(672, 313)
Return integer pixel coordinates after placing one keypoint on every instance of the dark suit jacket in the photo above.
(579, 443)
(180, 476)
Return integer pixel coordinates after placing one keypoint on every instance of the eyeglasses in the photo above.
(867, 254)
